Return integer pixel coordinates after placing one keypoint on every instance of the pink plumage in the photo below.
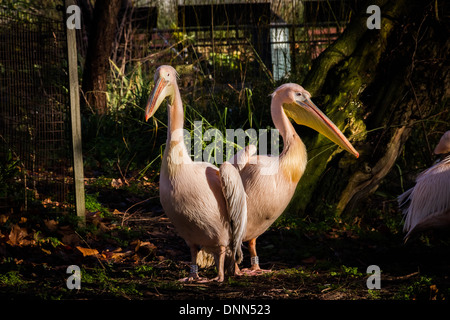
(427, 204)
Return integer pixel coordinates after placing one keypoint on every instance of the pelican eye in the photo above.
(300, 96)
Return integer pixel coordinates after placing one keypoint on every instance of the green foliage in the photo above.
(10, 173)
(102, 279)
(229, 60)
(93, 205)
(144, 271)
(52, 241)
(122, 141)
(351, 271)
(239, 282)
(119, 141)
(12, 278)
(415, 290)
(9, 168)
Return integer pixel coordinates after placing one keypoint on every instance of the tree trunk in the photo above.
(376, 85)
(101, 39)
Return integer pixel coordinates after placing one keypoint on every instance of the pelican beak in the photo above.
(157, 96)
(307, 113)
(443, 146)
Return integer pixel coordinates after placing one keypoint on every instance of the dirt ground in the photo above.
(138, 256)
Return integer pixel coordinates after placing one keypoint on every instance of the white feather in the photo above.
(236, 199)
(430, 197)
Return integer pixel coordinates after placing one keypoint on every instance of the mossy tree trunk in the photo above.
(377, 86)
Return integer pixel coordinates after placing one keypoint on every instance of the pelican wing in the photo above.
(236, 199)
(428, 198)
(241, 158)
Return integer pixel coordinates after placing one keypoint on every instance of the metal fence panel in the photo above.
(34, 108)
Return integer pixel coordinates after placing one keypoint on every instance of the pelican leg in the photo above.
(237, 271)
(254, 269)
(220, 264)
(193, 272)
(253, 255)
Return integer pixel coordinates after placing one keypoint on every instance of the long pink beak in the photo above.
(156, 98)
(310, 115)
(331, 131)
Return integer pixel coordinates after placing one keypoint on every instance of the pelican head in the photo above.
(297, 105)
(165, 84)
(443, 146)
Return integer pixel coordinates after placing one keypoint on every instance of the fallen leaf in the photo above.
(46, 202)
(116, 183)
(144, 248)
(3, 218)
(111, 255)
(51, 225)
(433, 292)
(97, 221)
(87, 251)
(17, 235)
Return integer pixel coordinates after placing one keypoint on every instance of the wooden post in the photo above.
(75, 117)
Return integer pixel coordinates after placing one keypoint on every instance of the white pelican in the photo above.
(270, 181)
(207, 206)
(427, 204)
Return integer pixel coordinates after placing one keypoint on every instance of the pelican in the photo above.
(270, 181)
(427, 204)
(206, 205)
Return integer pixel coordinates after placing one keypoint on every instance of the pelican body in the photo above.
(206, 205)
(427, 204)
(269, 181)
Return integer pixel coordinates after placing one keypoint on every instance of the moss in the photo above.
(341, 75)
(12, 279)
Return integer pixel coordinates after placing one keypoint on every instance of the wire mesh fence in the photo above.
(34, 109)
(226, 40)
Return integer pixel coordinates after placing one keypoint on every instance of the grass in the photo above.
(103, 280)
(13, 279)
(92, 204)
(424, 288)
